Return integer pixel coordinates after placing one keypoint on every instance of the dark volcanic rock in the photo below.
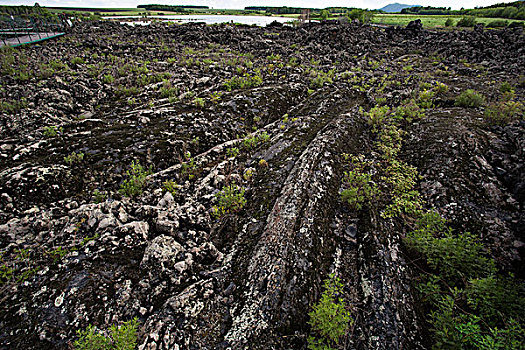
(271, 110)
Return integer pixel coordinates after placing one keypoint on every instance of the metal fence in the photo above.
(19, 30)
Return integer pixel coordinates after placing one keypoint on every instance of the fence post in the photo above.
(35, 25)
(14, 29)
(29, 28)
(3, 34)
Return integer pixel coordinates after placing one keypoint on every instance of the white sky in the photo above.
(240, 4)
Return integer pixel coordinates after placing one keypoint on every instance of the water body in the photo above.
(208, 19)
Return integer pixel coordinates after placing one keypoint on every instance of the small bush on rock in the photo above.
(74, 158)
(457, 257)
(360, 188)
(170, 186)
(136, 180)
(470, 98)
(502, 113)
(330, 318)
(120, 338)
(231, 200)
(52, 131)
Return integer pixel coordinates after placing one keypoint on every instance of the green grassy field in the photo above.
(427, 20)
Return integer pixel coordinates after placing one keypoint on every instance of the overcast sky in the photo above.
(239, 4)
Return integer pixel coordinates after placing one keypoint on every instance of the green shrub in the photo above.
(251, 141)
(232, 152)
(136, 180)
(505, 87)
(363, 16)
(409, 111)
(120, 338)
(215, 97)
(389, 143)
(467, 21)
(7, 60)
(167, 90)
(498, 24)
(458, 258)
(125, 337)
(400, 180)
(230, 200)
(273, 57)
(426, 98)
(170, 186)
(452, 328)
(188, 166)
(74, 158)
(504, 112)
(198, 102)
(359, 187)
(57, 65)
(52, 131)
(377, 116)
(495, 298)
(243, 82)
(127, 91)
(449, 22)
(322, 78)
(330, 319)
(470, 98)
(89, 339)
(472, 307)
(77, 60)
(108, 79)
(13, 106)
(99, 197)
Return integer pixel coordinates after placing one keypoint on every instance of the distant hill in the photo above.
(391, 8)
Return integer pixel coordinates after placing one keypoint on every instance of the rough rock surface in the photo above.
(248, 279)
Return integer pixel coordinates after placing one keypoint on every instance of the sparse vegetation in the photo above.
(98, 196)
(251, 132)
(52, 131)
(198, 102)
(243, 82)
(123, 337)
(359, 189)
(330, 318)
(170, 186)
(252, 141)
(74, 158)
(504, 112)
(230, 200)
(108, 79)
(470, 98)
(232, 152)
(136, 179)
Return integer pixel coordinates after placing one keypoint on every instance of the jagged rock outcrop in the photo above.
(172, 97)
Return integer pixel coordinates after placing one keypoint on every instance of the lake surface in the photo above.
(209, 19)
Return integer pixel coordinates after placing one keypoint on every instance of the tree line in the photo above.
(513, 10)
